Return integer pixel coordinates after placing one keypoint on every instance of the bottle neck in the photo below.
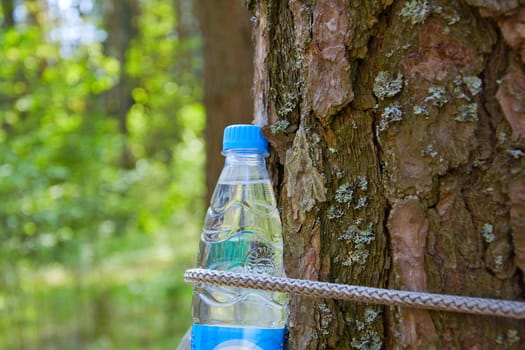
(243, 167)
(245, 158)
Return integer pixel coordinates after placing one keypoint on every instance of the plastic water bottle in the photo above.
(242, 233)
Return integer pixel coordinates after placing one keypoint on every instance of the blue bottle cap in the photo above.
(242, 136)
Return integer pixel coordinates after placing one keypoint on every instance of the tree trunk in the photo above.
(398, 135)
(120, 17)
(7, 12)
(228, 74)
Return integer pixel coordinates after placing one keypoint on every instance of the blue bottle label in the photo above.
(204, 337)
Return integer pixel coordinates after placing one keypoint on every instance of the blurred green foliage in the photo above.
(92, 253)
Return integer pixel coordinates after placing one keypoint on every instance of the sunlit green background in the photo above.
(97, 225)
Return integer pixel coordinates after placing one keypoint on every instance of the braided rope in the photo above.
(442, 302)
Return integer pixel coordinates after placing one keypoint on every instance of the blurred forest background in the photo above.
(102, 180)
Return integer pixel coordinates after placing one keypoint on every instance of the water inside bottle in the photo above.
(242, 233)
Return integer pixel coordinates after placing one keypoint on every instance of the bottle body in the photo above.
(242, 233)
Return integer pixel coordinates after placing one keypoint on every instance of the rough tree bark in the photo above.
(228, 74)
(398, 130)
